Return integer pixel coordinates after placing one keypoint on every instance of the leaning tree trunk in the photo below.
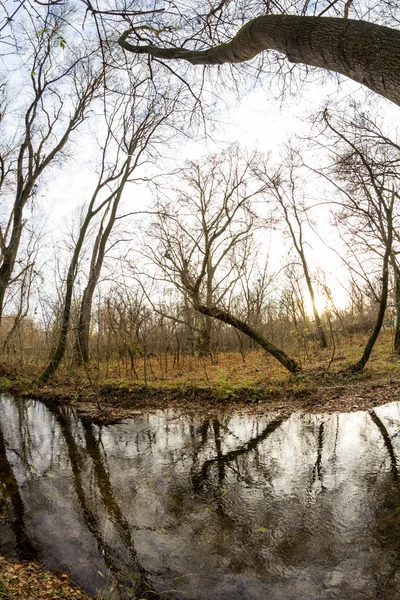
(10, 252)
(85, 312)
(268, 346)
(365, 52)
(59, 352)
(396, 344)
(359, 366)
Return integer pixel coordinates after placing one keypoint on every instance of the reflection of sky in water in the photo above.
(198, 507)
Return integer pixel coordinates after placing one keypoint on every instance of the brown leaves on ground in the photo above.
(29, 581)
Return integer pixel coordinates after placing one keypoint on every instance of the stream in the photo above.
(188, 506)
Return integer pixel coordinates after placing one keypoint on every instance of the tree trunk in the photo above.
(83, 330)
(365, 52)
(59, 352)
(82, 341)
(11, 251)
(397, 305)
(276, 352)
(359, 366)
(320, 330)
(205, 337)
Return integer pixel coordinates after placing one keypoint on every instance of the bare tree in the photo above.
(364, 48)
(203, 240)
(21, 292)
(138, 132)
(366, 52)
(383, 154)
(47, 122)
(131, 128)
(282, 184)
(364, 176)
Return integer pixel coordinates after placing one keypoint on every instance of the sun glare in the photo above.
(323, 303)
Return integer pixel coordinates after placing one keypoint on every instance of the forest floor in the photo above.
(110, 392)
(30, 581)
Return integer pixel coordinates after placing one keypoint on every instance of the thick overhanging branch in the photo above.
(365, 52)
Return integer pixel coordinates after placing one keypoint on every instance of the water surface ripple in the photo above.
(177, 506)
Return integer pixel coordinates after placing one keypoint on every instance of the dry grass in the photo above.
(255, 369)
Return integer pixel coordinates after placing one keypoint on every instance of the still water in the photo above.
(185, 506)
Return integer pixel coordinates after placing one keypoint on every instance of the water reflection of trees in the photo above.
(386, 524)
(11, 495)
(177, 503)
(126, 568)
(387, 441)
(222, 460)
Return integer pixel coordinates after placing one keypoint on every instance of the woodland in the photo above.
(199, 206)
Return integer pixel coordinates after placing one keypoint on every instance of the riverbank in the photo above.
(30, 581)
(312, 392)
(108, 392)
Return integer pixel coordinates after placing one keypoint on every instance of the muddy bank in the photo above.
(316, 392)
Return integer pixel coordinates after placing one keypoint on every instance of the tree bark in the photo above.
(205, 338)
(276, 352)
(85, 310)
(365, 52)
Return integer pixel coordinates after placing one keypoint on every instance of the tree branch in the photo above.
(365, 52)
